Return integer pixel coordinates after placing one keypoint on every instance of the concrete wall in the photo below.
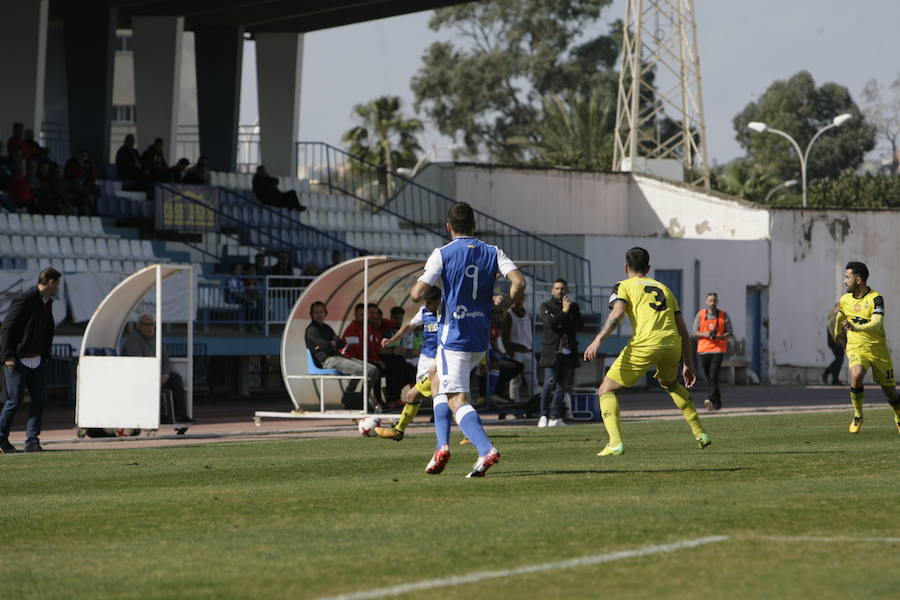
(726, 267)
(809, 251)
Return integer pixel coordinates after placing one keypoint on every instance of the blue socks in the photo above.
(470, 424)
(493, 378)
(442, 420)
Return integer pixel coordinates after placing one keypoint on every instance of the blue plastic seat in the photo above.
(312, 369)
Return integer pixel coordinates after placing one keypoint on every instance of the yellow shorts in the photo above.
(633, 363)
(424, 386)
(878, 359)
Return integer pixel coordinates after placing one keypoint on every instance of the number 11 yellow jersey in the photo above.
(651, 307)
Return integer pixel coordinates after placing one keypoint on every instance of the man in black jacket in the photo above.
(325, 344)
(26, 343)
(559, 355)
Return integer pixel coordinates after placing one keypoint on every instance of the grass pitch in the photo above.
(314, 518)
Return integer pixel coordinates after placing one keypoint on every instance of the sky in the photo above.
(744, 46)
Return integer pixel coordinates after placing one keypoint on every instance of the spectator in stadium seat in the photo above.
(284, 266)
(266, 190)
(336, 258)
(177, 172)
(353, 336)
(30, 148)
(61, 190)
(325, 346)
(128, 163)
(17, 140)
(83, 180)
(153, 161)
(143, 343)
(20, 191)
(199, 173)
(236, 292)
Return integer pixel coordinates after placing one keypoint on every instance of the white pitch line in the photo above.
(584, 561)
(842, 540)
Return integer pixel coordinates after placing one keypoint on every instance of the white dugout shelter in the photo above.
(124, 391)
(382, 280)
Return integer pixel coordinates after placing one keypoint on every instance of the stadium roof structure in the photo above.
(256, 16)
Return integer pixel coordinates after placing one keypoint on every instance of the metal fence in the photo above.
(247, 302)
(332, 169)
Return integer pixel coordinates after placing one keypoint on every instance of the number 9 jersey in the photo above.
(651, 307)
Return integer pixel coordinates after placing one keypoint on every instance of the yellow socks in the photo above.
(856, 397)
(683, 401)
(609, 408)
(409, 413)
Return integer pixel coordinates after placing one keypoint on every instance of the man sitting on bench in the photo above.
(143, 343)
(325, 346)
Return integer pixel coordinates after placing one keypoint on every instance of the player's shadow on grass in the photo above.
(612, 471)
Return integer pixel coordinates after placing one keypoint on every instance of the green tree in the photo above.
(574, 131)
(384, 138)
(882, 109)
(850, 190)
(742, 178)
(490, 91)
(799, 108)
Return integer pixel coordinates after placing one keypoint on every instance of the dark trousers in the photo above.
(712, 363)
(556, 380)
(834, 369)
(397, 373)
(17, 380)
(176, 385)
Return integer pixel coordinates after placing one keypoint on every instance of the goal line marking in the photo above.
(584, 561)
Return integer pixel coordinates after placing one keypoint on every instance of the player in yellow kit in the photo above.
(660, 339)
(861, 316)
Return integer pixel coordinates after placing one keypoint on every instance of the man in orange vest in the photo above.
(712, 328)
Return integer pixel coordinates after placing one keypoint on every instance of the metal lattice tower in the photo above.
(659, 78)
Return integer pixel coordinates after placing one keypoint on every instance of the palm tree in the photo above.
(575, 131)
(384, 138)
(745, 179)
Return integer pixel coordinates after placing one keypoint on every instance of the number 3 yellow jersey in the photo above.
(859, 311)
(651, 307)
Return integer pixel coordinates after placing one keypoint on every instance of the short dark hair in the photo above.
(461, 218)
(47, 275)
(398, 310)
(638, 260)
(859, 269)
(562, 281)
(359, 306)
(372, 305)
(315, 304)
(433, 293)
(708, 294)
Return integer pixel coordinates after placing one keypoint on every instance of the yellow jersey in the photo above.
(651, 307)
(859, 311)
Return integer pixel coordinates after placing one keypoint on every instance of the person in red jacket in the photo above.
(353, 336)
(712, 328)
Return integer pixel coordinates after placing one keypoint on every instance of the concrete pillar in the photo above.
(219, 52)
(279, 65)
(90, 37)
(157, 79)
(23, 46)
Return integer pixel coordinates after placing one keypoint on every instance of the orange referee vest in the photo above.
(719, 344)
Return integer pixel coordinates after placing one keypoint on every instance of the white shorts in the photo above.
(453, 369)
(423, 367)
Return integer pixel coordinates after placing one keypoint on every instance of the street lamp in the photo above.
(780, 186)
(423, 160)
(835, 122)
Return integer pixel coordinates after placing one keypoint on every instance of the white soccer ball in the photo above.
(367, 426)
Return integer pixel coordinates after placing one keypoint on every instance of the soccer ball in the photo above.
(367, 426)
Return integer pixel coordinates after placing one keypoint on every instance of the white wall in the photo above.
(809, 250)
(726, 267)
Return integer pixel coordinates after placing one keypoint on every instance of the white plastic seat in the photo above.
(15, 222)
(341, 220)
(69, 265)
(32, 264)
(53, 248)
(78, 246)
(81, 265)
(96, 226)
(123, 248)
(4, 222)
(128, 266)
(65, 246)
(105, 265)
(74, 225)
(116, 266)
(93, 265)
(331, 220)
(62, 224)
(31, 247)
(147, 249)
(244, 181)
(5, 245)
(18, 244)
(47, 224)
(312, 218)
(27, 223)
(102, 249)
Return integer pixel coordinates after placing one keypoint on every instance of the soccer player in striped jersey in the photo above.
(660, 339)
(466, 269)
(861, 316)
(427, 319)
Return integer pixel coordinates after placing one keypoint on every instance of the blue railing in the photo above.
(336, 170)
